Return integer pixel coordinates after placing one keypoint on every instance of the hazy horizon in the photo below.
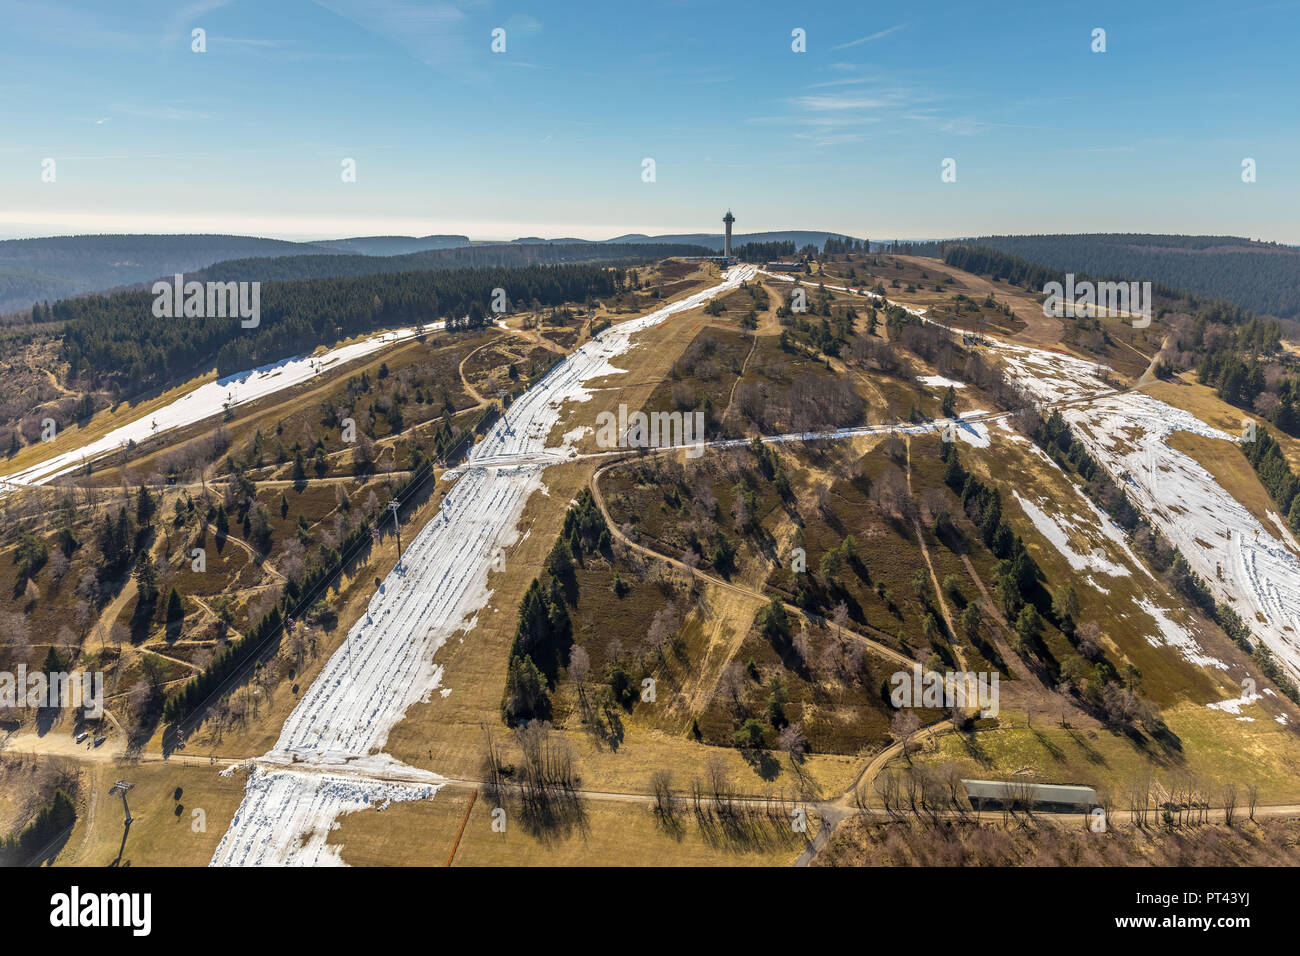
(549, 136)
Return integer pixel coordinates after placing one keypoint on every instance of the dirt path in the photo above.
(530, 337)
(92, 803)
(1149, 375)
(464, 381)
(232, 634)
(851, 632)
(253, 556)
(114, 607)
(885, 406)
(167, 657)
(1008, 652)
(833, 813)
(731, 397)
(721, 650)
(1040, 330)
(958, 651)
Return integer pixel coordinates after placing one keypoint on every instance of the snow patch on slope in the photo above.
(1240, 560)
(1064, 534)
(1172, 635)
(938, 381)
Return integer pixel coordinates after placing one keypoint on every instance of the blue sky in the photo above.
(548, 138)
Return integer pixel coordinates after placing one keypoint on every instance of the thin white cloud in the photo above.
(855, 81)
(438, 34)
(868, 39)
(830, 139)
(831, 102)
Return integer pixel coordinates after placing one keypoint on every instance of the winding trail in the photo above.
(853, 632)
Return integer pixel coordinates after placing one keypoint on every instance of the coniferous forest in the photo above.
(509, 255)
(116, 342)
(1261, 276)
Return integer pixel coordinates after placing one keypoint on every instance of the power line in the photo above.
(188, 722)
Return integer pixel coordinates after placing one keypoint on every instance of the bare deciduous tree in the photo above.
(665, 801)
(903, 725)
(794, 742)
(731, 684)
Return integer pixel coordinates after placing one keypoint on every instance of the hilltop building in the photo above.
(726, 259)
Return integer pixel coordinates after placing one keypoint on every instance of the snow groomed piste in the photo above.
(327, 761)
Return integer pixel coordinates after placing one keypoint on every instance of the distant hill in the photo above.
(392, 245)
(1261, 276)
(33, 270)
(711, 240)
(800, 237)
(508, 255)
(40, 270)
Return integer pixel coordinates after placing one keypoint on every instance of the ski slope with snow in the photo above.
(1071, 538)
(321, 766)
(209, 399)
(1244, 563)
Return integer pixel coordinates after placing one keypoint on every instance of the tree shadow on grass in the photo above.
(551, 814)
(1046, 742)
(970, 743)
(141, 619)
(746, 827)
(763, 763)
(1092, 754)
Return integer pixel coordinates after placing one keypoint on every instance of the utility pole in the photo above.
(122, 787)
(397, 526)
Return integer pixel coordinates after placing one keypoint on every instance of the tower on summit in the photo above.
(727, 220)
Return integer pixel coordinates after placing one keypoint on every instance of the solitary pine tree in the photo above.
(175, 609)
